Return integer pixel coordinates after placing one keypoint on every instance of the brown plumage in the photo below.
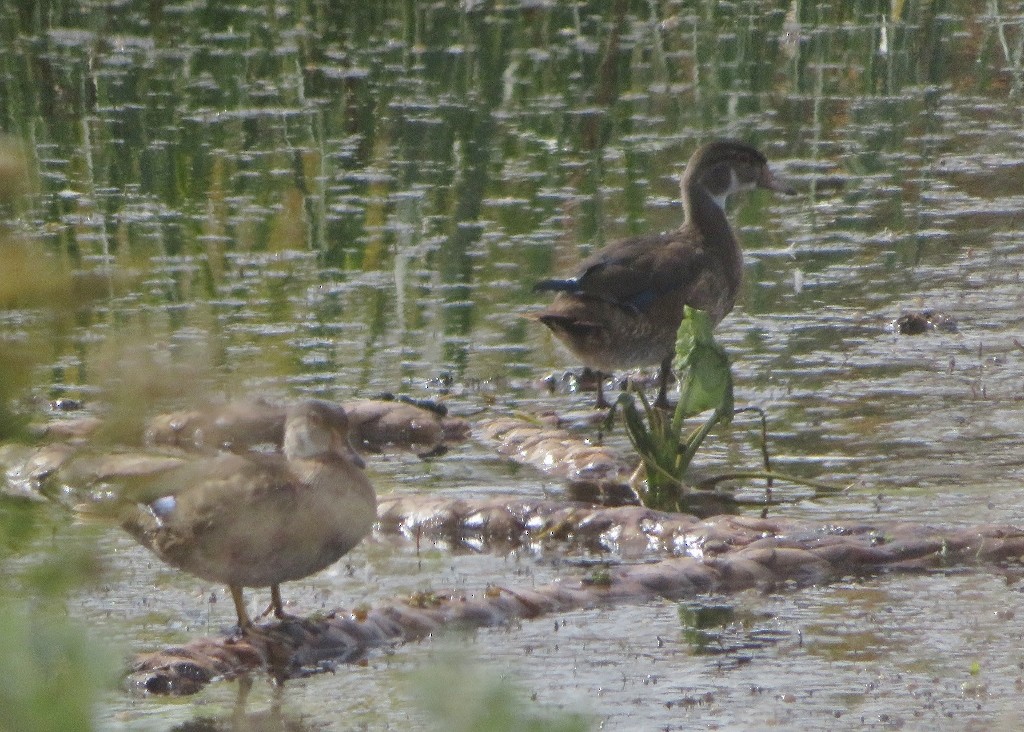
(260, 520)
(624, 304)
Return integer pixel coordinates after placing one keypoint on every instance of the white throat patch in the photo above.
(734, 185)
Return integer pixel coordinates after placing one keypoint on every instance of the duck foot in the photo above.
(276, 606)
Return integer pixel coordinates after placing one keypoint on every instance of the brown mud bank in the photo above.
(684, 557)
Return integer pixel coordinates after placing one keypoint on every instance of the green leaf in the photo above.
(703, 365)
(635, 427)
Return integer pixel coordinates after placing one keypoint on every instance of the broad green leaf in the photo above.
(703, 366)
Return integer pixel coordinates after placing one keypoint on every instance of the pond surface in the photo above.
(340, 200)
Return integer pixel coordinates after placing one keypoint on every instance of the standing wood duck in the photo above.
(259, 520)
(624, 304)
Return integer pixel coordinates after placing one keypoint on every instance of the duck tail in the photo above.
(568, 324)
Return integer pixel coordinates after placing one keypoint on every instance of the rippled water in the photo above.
(343, 201)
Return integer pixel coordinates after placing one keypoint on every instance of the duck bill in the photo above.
(342, 446)
(771, 182)
(354, 457)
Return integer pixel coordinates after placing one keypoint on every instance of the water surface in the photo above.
(338, 200)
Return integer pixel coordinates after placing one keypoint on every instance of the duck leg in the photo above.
(601, 403)
(276, 604)
(663, 375)
(244, 621)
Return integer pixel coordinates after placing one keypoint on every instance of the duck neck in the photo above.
(706, 214)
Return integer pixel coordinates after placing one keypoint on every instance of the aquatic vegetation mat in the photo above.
(720, 555)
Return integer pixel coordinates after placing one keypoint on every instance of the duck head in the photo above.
(724, 167)
(315, 428)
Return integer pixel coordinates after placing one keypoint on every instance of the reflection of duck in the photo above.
(260, 520)
(625, 302)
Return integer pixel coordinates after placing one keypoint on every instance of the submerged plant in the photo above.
(705, 377)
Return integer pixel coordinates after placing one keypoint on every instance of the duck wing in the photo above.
(222, 519)
(203, 494)
(636, 272)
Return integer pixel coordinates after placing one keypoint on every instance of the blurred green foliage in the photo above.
(51, 671)
(19, 277)
(484, 702)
